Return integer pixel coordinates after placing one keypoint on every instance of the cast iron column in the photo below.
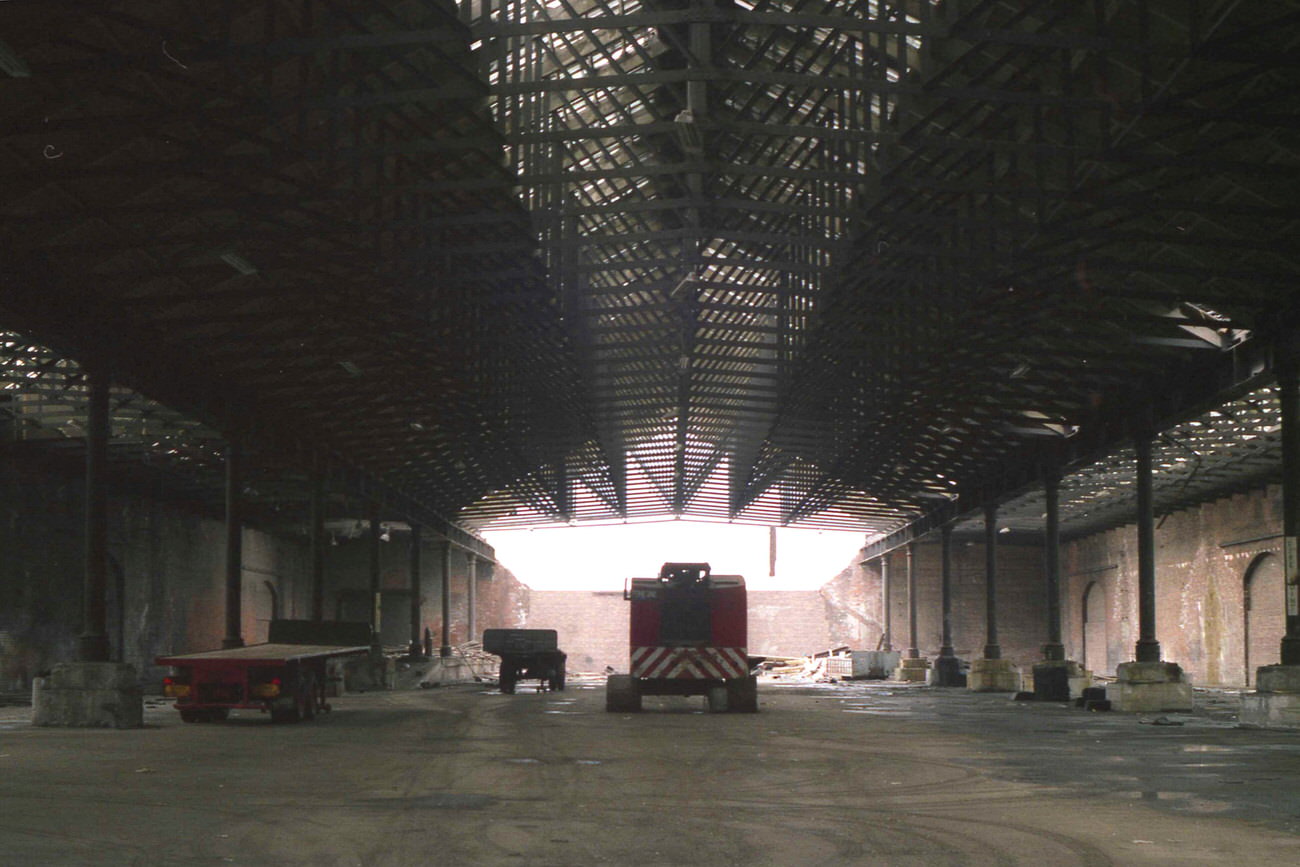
(93, 641)
(947, 668)
(471, 598)
(1148, 648)
(1053, 650)
(945, 540)
(376, 593)
(992, 650)
(1288, 386)
(234, 543)
(912, 651)
(884, 604)
(317, 541)
(417, 645)
(444, 648)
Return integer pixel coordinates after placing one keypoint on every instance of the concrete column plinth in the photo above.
(913, 669)
(88, 695)
(1060, 680)
(947, 672)
(993, 675)
(1275, 703)
(1149, 687)
(367, 674)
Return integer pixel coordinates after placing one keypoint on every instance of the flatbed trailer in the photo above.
(286, 677)
(526, 654)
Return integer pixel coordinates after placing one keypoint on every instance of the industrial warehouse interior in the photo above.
(649, 432)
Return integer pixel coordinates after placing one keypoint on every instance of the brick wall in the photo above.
(500, 599)
(593, 627)
(1203, 557)
(166, 575)
(166, 582)
(854, 597)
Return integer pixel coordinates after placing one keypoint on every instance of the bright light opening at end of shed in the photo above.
(601, 558)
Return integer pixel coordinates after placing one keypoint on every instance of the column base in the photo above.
(993, 675)
(1275, 703)
(1149, 687)
(1060, 680)
(913, 669)
(366, 674)
(947, 672)
(103, 695)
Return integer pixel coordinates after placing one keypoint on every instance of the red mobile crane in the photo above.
(688, 637)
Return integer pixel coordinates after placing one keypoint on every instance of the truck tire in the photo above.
(508, 676)
(284, 710)
(557, 681)
(717, 697)
(742, 695)
(191, 714)
(308, 709)
(622, 694)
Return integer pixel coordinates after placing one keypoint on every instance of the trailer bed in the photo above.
(286, 675)
(268, 653)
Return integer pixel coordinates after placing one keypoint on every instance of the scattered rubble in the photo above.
(827, 666)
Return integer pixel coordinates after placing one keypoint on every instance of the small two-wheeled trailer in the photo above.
(286, 677)
(527, 654)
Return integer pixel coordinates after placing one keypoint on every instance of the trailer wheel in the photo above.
(308, 709)
(191, 714)
(284, 711)
(622, 694)
(717, 698)
(508, 676)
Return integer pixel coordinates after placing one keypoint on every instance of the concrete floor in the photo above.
(829, 774)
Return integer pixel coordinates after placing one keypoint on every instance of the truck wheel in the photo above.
(218, 714)
(308, 709)
(191, 714)
(717, 697)
(742, 695)
(508, 675)
(284, 711)
(622, 694)
(557, 681)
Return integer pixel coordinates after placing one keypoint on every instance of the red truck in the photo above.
(688, 636)
(287, 676)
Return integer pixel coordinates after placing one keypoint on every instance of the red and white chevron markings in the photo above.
(692, 663)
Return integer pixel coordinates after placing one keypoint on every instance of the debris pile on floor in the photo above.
(828, 666)
(467, 663)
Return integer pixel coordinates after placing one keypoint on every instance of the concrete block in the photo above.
(448, 669)
(1149, 697)
(947, 672)
(877, 664)
(88, 695)
(1278, 678)
(1149, 687)
(1275, 703)
(993, 675)
(913, 669)
(1149, 672)
(366, 673)
(1270, 710)
(1060, 680)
